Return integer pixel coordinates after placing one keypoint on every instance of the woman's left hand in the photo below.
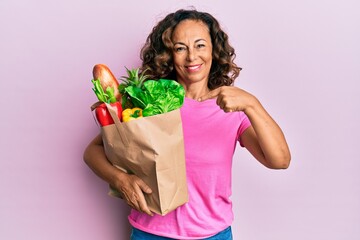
(229, 98)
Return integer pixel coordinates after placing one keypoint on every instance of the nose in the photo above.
(191, 55)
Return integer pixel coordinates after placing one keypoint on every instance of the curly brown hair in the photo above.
(156, 54)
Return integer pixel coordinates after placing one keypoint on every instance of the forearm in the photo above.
(95, 158)
(270, 137)
(130, 187)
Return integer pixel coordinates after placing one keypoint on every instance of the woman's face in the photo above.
(192, 52)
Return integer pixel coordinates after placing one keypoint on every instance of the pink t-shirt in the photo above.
(210, 138)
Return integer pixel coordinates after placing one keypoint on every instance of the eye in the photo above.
(180, 49)
(200, 45)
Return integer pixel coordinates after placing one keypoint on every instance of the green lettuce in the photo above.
(157, 96)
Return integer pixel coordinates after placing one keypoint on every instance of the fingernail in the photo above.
(199, 99)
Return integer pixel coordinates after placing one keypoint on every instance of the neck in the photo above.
(195, 91)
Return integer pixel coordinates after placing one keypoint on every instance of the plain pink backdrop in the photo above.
(300, 58)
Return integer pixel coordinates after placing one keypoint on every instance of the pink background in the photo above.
(300, 58)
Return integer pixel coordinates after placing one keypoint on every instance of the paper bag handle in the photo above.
(117, 123)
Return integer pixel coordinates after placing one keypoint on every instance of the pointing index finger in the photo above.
(212, 94)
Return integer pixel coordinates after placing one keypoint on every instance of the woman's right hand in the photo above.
(132, 190)
(130, 187)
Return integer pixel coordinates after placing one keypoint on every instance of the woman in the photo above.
(190, 46)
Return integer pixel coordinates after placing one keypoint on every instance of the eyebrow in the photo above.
(197, 40)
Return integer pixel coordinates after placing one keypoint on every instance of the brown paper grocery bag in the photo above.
(152, 148)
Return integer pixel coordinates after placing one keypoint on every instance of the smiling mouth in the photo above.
(193, 68)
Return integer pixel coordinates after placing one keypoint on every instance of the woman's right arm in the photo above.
(130, 187)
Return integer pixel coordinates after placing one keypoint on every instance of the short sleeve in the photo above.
(244, 124)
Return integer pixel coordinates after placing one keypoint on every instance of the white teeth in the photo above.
(194, 67)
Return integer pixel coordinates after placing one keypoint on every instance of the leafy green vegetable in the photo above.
(157, 96)
(107, 96)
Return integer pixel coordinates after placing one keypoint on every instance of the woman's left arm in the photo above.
(264, 139)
